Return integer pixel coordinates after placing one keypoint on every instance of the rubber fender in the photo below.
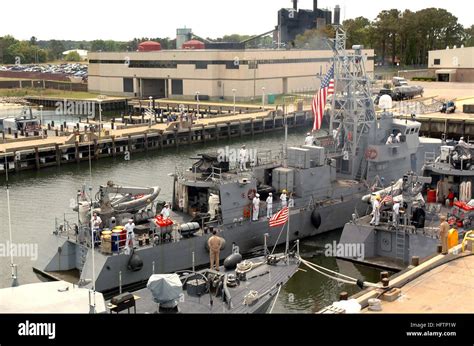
(231, 261)
(135, 263)
(222, 244)
(316, 219)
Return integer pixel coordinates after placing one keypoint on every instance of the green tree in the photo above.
(5, 54)
(72, 56)
(358, 31)
(469, 36)
(56, 49)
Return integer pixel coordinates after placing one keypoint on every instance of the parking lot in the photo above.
(71, 70)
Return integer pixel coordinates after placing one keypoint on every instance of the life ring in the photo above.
(251, 194)
(316, 219)
(247, 212)
(371, 154)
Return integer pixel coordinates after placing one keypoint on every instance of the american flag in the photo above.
(280, 218)
(320, 98)
(387, 199)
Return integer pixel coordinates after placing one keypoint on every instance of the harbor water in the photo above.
(38, 197)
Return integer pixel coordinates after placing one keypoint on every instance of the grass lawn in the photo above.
(47, 93)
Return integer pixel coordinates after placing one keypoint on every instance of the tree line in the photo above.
(40, 51)
(399, 37)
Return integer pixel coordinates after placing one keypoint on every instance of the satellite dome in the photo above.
(385, 102)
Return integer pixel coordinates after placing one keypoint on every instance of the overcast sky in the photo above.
(124, 20)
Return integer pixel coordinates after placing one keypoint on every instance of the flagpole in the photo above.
(287, 234)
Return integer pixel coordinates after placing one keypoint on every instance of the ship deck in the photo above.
(265, 279)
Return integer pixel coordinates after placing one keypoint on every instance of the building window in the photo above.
(437, 62)
(231, 65)
(201, 65)
(128, 85)
(177, 86)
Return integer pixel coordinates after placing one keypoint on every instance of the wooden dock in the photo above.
(36, 153)
(453, 125)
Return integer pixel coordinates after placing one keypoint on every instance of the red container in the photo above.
(431, 197)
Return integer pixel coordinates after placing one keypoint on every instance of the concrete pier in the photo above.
(36, 153)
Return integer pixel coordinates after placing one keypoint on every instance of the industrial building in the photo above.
(452, 64)
(293, 21)
(220, 69)
(211, 73)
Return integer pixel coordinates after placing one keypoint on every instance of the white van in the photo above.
(399, 81)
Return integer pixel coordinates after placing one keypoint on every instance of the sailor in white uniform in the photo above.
(243, 156)
(269, 205)
(256, 207)
(309, 139)
(129, 244)
(376, 211)
(283, 199)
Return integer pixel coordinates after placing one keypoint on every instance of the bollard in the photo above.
(57, 132)
(343, 296)
(385, 282)
(439, 249)
(52, 123)
(383, 275)
(415, 261)
(49, 127)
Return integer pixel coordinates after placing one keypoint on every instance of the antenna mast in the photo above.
(352, 105)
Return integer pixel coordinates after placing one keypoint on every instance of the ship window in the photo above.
(412, 131)
(407, 131)
(416, 130)
(437, 62)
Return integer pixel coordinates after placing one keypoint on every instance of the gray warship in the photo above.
(243, 287)
(445, 188)
(327, 181)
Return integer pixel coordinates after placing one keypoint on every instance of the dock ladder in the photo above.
(400, 240)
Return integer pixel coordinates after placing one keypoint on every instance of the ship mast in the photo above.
(353, 109)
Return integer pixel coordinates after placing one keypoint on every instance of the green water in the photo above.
(37, 197)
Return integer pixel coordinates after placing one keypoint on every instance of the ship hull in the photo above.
(112, 271)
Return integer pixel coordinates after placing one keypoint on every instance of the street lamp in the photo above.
(197, 103)
(41, 121)
(263, 98)
(100, 117)
(151, 107)
(233, 92)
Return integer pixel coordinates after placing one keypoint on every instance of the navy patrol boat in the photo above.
(326, 180)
